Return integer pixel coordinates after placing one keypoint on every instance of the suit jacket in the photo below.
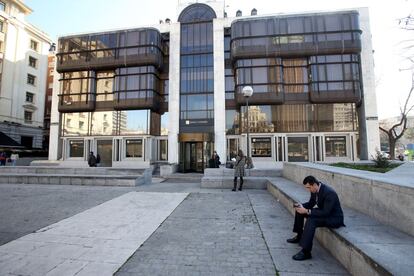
(328, 204)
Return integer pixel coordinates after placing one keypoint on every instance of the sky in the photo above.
(63, 17)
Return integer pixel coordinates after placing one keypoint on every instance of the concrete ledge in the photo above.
(364, 247)
(169, 169)
(70, 179)
(220, 182)
(222, 178)
(249, 172)
(377, 195)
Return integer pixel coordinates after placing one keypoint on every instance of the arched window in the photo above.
(197, 13)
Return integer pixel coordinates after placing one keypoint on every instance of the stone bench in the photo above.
(72, 179)
(365, 246)
(222, 178)
(226, 182)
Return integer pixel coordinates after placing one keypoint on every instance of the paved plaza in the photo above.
(167, 228)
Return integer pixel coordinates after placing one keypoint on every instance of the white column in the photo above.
(368, 78)
(174, 93)
(54, 119)
(219, 90)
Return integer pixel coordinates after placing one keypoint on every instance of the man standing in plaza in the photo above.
(322, 210)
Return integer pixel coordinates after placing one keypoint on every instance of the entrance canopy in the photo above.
(196, 137)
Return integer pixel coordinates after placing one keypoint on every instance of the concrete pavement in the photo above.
(211, 232)
(95, 242)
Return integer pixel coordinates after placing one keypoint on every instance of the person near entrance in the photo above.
(322, 210)
(239, 169)
(214, 162)
(91, 160)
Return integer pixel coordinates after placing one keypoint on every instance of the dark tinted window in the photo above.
(196, 12)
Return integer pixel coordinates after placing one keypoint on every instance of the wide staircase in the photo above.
(56, 175)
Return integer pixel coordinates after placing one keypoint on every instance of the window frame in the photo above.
(28, 95)
(29, 78)
(126, 148)
(34, 45)
(33, 62)
(28, 120)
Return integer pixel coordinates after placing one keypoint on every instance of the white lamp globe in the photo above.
(247, 91)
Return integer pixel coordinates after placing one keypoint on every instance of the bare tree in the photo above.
(396, 131)
(407, 23)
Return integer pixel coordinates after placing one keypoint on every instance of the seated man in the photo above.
(322, 210)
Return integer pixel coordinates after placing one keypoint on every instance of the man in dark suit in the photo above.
(322, 210)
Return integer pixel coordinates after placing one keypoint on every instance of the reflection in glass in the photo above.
(260, 119)
(298, 118)
(261, 147)
(75, 124)
(104, 86)
(136, 122)
(335, 146)
(76, 148)
(104, 123)
(232, 122)
(164, 123)
(298, 149)
(133, 148)
(163, 150)
(295, 75)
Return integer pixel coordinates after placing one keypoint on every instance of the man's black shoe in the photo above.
(295, 239)
(301, 256)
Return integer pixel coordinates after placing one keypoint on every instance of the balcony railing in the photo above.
(109, 58)
(76, 102)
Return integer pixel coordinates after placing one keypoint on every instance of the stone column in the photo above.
(219, 90)
(174, 93)
(367, 113)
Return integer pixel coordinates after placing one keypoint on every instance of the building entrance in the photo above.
(192, 156)
(104, 149)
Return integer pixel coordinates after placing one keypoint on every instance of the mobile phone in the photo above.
(295, 205)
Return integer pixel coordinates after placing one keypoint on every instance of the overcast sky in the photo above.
(60, 17)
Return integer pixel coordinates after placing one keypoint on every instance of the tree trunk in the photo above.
(392, 148)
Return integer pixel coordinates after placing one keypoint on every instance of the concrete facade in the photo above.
(21, 44)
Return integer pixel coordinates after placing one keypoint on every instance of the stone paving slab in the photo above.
(276, 224)
(27, 208)
(208, 234)
(95, 242)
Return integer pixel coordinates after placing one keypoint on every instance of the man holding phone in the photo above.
(322, 210)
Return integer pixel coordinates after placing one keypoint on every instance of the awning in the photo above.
(7, 142)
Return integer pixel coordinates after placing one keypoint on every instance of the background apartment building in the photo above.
(24, 53)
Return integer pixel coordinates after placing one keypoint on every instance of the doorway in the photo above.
(104, 149)
(192, 156)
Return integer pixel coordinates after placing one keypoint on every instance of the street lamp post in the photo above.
(247, 93)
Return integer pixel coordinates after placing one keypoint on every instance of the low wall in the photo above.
(368, 192)
(168, 169)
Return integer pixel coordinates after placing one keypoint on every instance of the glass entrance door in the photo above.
(192, 153)
(104, 149)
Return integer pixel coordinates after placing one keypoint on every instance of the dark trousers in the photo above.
(235, 182)
(308, 232)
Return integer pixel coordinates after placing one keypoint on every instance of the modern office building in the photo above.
(173, 92)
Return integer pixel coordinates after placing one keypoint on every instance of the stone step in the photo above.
(69, 170)
(365, 246)
(220, 182)
(249, 172)
(70, 179)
